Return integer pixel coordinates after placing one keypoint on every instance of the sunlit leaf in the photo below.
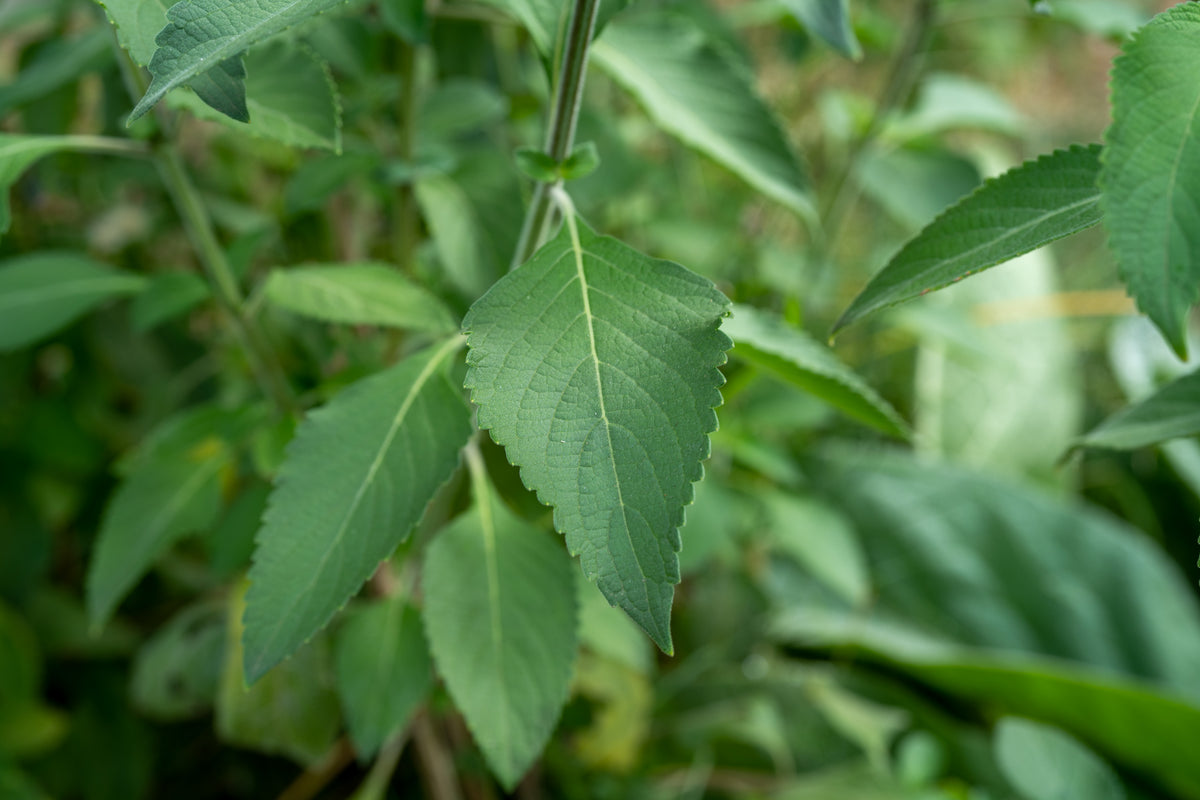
(1043, 763)
(602, 391)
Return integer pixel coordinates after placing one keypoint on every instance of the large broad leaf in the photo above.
(383, 673)
(1171, 412)
(359, 294)
(1152, 166)
(356, 480)
(766, 340)
(500, 611)
(1135, 726)
(202, 33)
(43, 292)
(1027, 207)
(18, 153)
(696, 92)
(601, 386)
(1044, 763)
(829, 21)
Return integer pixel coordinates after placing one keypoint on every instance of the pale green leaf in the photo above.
(292, 711)
(201, 33)
(290, 96)
(829, 21)
(381, 664)
(137, 23)
(695, 91)
(458, 237)
(1170, 413)
(822, 541)
(1044, 763)
(1023, 209)
(43, 292)
(767, 341)
(1151, 169)
(166, 297)
(357, 478)
(500, 611)
(359, 294)
(602, 390)
(177, 671)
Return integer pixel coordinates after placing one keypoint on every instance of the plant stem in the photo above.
(564, 114)
(406, 209)
(433, 760)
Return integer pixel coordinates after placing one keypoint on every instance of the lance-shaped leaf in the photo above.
(355, 481)
(359, 294)
(1152, 168)
(500, 611)
(43, 292)
(829, 21)
(694, 91)
(201, 33)
(767, 341)
(1023, 209)
(596, 368)
(1170, 413)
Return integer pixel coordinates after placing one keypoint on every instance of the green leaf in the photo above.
(290, 97)
(765, 340)
(58, 63)
(583, 161)
(383, 673)
(822, 541)
(292, 711)
(1043, 763)
(166, 297)
(359, 294)
(44, 292)
(223, 88)
(1171, 412)
(500, 611)
(200, 33)
(458, 235)
(542, 17)
(459, 106)
(1151, 168)
(536, 165)
(177, 671)
(1023, 209)
(696, 92)
(356, 480)
(408, 19)
(602, 391)
(829, 21)
(137, 23)
(18, 153)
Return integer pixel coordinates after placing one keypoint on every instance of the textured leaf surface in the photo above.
(694, 91)
(1152, 168)
(829, 21)
(765, 339)
(359, 294)
(383, 673)
(1171, 412)
(602, 389)
(500, 611)
(43, 292)
(1043, 763)
(356, 480)
(223, 88)
(1027, 207)
(201, 33)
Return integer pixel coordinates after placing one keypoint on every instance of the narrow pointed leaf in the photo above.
(500, 611)
(1152, 166)
(602, 389)
(44, 292)
(355, 481)
(791, 354)
(1170, 413)
(201, 33)
(383, 673)
(1023, 209)
(829, 21)
(359, 294)
(223, 88)
(694, 91)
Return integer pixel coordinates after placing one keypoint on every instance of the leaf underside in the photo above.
(355, 481)
(1152, 168)
(596, 368)
(1025, 208)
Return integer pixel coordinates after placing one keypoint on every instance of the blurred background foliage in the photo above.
(977, 616)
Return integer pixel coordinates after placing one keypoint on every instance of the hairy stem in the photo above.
(564, 113)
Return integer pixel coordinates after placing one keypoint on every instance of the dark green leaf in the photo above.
(829, 21)
(166, 297)
(1022, 210)
(356, 480)
(766, 340)
(602, 390)
(1151, 168)
(1171, 412)
(43, 292)
(536, 165)
(223, 88)
(407, 19)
